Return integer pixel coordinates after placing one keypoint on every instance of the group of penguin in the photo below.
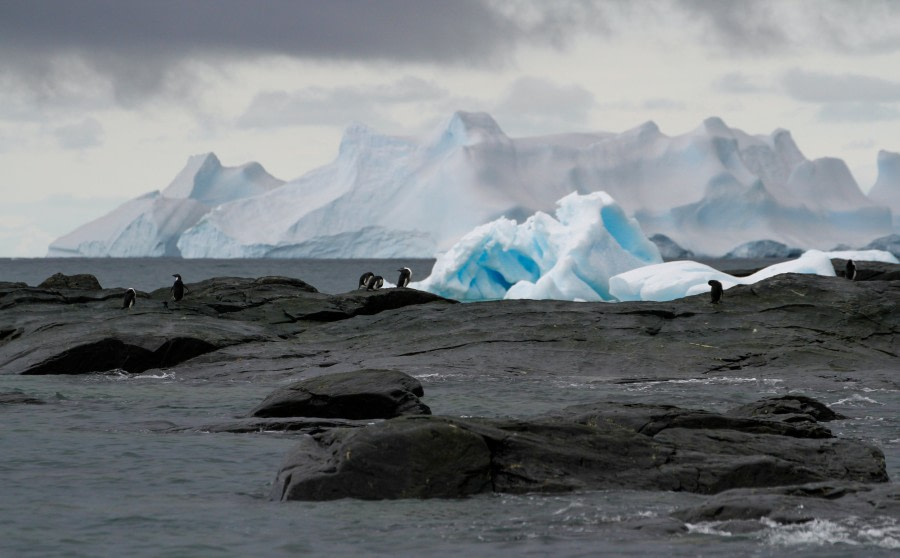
(372, 282)
(369, 281)
(716, 291)
(178, 290)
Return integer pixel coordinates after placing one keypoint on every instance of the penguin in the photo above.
(850, 273)
(716, 292)
(128, 299)
(178, 289)
(364, 279)
(405, 276)
(375, 283)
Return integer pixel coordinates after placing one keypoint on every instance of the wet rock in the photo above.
(788, 408)
(798, 503)
(357, 395)
(570, 450)
(50, 331)
(400, 459)
(79, 281)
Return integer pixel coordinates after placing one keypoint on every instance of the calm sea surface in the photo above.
(89, 474)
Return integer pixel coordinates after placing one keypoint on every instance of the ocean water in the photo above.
(91, 474)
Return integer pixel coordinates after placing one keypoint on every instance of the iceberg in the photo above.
(671, 280)
(708, 191)
(705, 192)
(886, 189)
(569, 257)
(150, 225)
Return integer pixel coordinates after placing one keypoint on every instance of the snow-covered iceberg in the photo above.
(570, 257)
(150, 225)
(671, 280)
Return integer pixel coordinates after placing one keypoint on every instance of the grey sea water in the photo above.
(91, 473)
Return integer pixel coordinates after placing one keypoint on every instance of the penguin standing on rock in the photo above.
(716, 292)
(375, 283)
(364, 279)
(850, 272)
(178, 289)
(405, 276)
(128, 299)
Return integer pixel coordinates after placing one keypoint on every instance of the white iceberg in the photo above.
(570, 257)
(150, 225)
(671, 280)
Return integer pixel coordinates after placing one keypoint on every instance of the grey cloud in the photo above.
(663, 104)
(538, 106)
(858, 112)
(845, 88)
(80, 135)
(337, 106)
(762, 27)
(737, 83)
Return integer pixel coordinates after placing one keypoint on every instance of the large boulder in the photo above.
(79, 282)
(574, 450)
(357, 395)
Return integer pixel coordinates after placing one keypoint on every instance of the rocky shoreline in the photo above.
(362, 431)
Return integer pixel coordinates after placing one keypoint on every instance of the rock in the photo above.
(406, 458)
(50, 331)
(868, 271)
(357, 395)
(16, 398)
(798, 503)
(788, 408)
(570, 450)
(79, 281)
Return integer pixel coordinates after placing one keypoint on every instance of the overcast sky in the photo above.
(104, 100)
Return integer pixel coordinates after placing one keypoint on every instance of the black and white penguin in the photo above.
(405, 276)
(364, 279)
(128, 299)
(850, 272)
(716, 292)
(178, 289)
(375, 283)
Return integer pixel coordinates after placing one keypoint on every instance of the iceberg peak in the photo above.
(469, 128)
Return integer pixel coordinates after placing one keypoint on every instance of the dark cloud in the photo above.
(844, 88)
(414, 30)
(767, 27)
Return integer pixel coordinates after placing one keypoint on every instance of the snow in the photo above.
(570, 257)
(709, 190)
(671, 280)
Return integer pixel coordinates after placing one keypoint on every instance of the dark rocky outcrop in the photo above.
(868, 271)
(76, 327)
(605, 447)
(79, 281)
(357, 395)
